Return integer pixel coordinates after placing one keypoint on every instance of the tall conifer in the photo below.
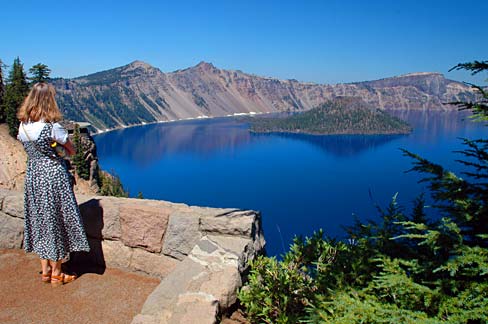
(2, 92)
(40, 73)
(15, 92)
(78, 159)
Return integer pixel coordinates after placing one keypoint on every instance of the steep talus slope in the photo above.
(139, 93)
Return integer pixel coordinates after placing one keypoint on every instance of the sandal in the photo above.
(46, 278)
(62, 279)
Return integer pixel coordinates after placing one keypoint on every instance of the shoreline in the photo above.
(329, 134)
(252, 113)
(201, 117)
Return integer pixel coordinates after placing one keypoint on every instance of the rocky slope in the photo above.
(139, 93)
(12, 161)
(13, 165)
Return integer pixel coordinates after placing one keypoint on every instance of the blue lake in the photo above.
(300, 183)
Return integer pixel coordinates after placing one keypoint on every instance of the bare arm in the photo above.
(69, 148)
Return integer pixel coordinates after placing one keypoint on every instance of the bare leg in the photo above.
(45, 266)
(56, 267)
(58, 277)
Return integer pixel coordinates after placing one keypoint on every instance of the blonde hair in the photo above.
(40, 104)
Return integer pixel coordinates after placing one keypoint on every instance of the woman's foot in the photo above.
(46, 277)
(62, 279)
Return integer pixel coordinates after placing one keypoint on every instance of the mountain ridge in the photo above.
(139, 93)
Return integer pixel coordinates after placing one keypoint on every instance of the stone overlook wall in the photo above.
(199, 253)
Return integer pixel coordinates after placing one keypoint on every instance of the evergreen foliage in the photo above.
(345, 115)
(110, 185)
(15, 92)
(40, 73)
(78, 159)
(479, 107)
(2, 92)
(405, 268)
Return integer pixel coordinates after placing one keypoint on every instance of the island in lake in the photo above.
(342, 115)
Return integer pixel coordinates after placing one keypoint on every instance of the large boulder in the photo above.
(11, 231)
(182, 234)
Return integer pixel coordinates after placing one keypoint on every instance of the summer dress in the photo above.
(53, 225)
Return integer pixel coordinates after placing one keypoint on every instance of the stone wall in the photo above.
(199, 253)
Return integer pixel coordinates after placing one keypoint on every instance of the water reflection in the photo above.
(205, 138)
(436, 123)
(341, 145)
(152, 142)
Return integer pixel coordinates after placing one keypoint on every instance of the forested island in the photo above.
(342, 115)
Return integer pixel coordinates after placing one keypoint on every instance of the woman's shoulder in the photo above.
(35, 122)
(39, 124)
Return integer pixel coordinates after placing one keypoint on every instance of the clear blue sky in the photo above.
(323, 41)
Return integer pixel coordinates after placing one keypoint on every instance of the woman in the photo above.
(53, 226)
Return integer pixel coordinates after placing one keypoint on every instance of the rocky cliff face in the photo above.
(139, 93)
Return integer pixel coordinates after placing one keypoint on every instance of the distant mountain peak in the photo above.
(205, 64)
(139, 64)
(421, 74)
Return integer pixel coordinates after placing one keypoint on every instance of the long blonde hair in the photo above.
(40, 105)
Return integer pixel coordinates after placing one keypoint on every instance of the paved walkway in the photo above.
(113, 297)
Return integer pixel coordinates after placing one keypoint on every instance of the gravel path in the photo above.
(111, 298)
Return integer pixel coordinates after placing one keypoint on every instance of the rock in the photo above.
(162, 299)
(13, 204)
(237, 317)
(94, 175)
(194, 308)
(111, 218)
(101, 217)
(222, 284)
(212, 212)
(92, 216)
(153, 264)
(143, 225)
(181, 235)
(11, 232)
(232, 223)
(116, 254)
(244, 249)
(3, 193)
(145, 319)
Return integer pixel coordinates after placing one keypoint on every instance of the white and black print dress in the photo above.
(53, 225)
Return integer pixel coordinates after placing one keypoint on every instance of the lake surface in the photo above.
(300, 183)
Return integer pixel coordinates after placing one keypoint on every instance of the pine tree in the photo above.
(480, 107)
(2, 92)
(40, 73)
(15, 92)
(78, 159)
